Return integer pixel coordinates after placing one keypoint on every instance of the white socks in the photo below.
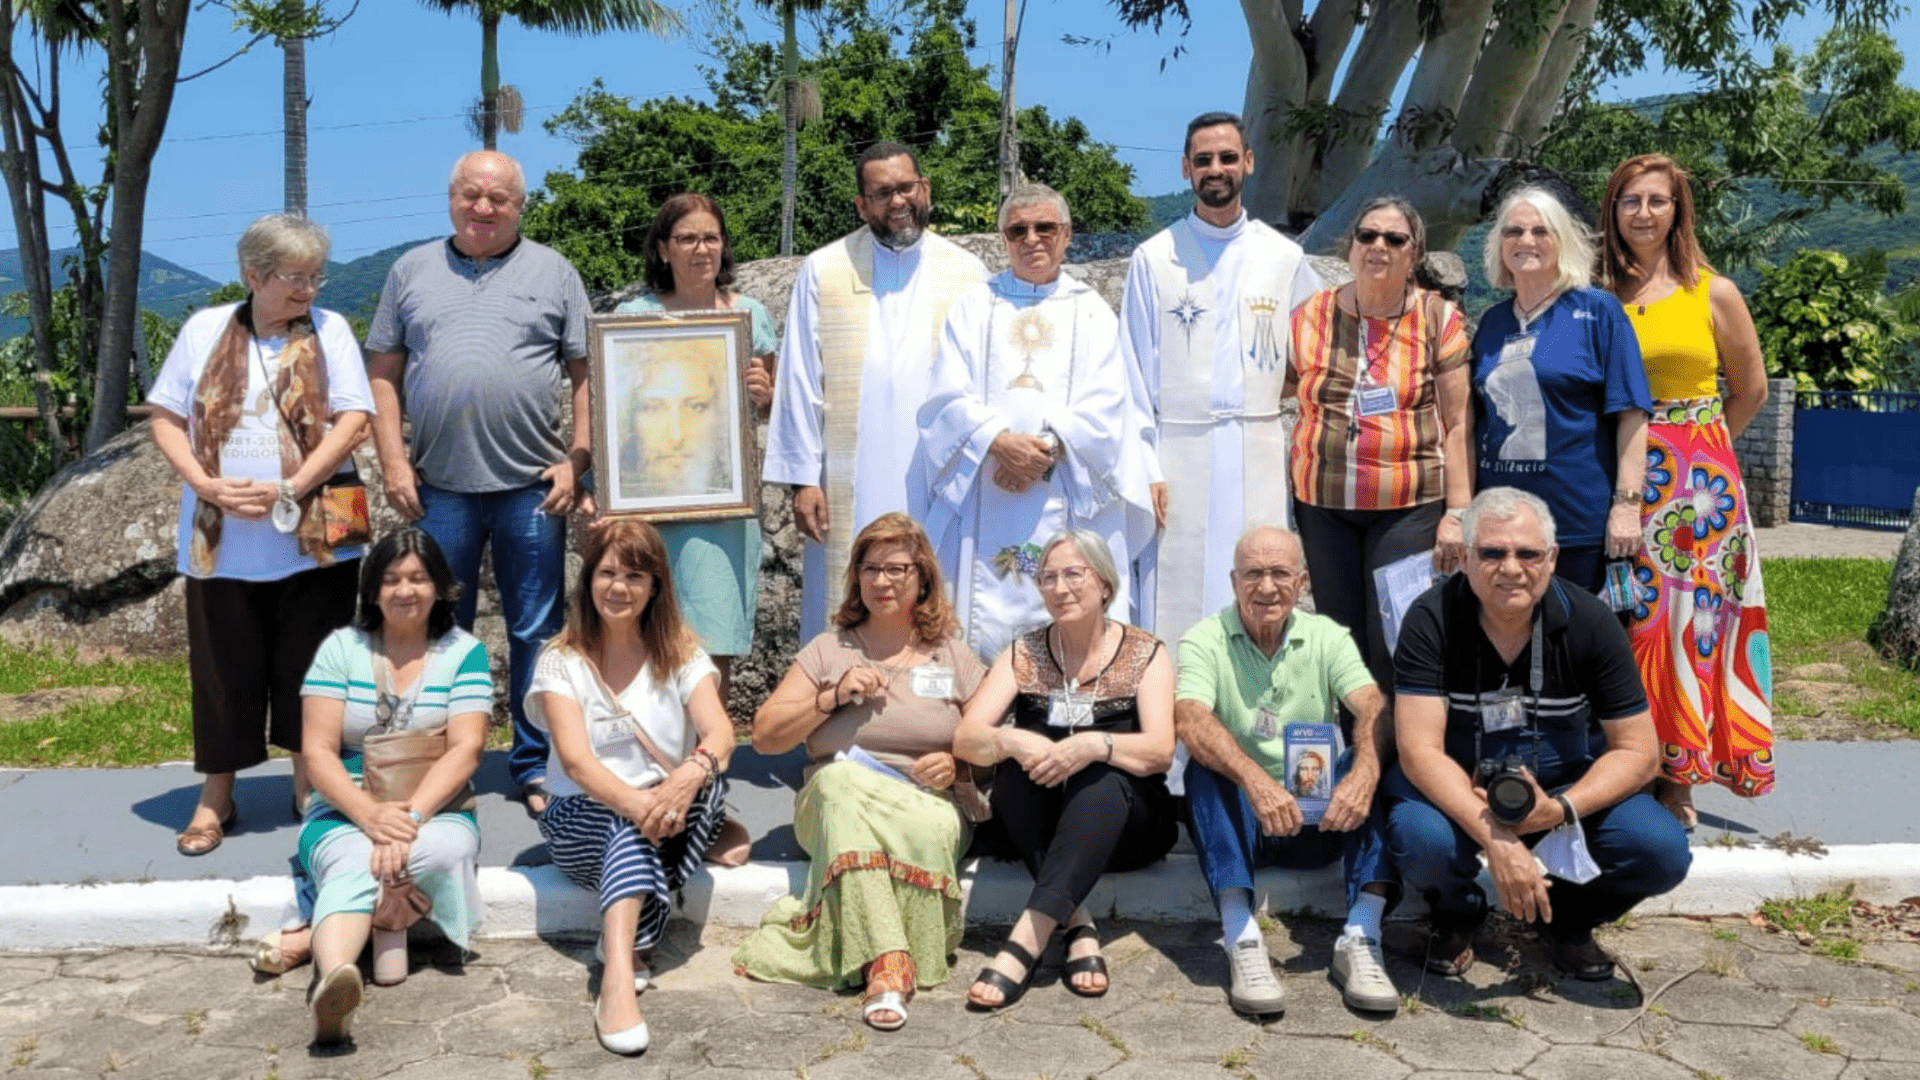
(1366, 916)
(1236, 918)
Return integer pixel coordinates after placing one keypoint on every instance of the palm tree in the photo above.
(562, 16)
(796, 99)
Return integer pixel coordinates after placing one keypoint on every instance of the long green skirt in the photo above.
(883, 878)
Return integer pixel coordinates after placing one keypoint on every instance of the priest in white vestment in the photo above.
(1023, 436)
(855, 366)
(1204, 333)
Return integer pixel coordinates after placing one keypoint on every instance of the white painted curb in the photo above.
(530, 901)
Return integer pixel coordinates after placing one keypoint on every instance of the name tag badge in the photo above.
(1378, 400)
(1070, 709)
(610, 730)
(1518, 347)
(1502, 710)
(932, 681)
(1266, 724)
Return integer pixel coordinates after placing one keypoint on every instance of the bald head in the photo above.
(1269, 570)
(1268, 538)
(484, 198)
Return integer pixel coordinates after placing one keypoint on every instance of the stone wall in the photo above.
(1765, 451)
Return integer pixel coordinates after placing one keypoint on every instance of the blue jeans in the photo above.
(1638, 845)
(1227, 837)
(529, 568)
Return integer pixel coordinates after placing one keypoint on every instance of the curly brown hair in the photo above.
(635, 545)
(933, 618)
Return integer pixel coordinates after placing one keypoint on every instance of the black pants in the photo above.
(1344, 548)
(1101, 820)
(249, 645)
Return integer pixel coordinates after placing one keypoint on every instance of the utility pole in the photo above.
(1009, 117)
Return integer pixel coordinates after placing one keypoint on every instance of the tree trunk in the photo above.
(1502, 77)
(1276, 81)
(790, 143)
(1542, 100)
(489, 79)
(293, 113)
(1432, 102)
(143, 62)
(1385, 47)
(1442, 185)
(1009, 116)
(20, 163)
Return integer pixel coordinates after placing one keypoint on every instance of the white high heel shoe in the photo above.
(626, 1043)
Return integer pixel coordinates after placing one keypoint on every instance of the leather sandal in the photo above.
(201, 840)
(1010, 991)
(1450, 948)
(892, 1001)
(272, 957)
(1086, 965)
(535, 789)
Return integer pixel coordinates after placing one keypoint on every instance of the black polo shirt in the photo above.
(1588, 676)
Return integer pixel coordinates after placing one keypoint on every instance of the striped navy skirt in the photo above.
(600, 850)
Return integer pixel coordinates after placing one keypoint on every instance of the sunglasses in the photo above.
(1368, 237)
(1205, 158)
(1527, 556)
(1044, 230)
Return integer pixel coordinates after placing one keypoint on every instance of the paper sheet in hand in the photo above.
(859, 756)
(1398, 584)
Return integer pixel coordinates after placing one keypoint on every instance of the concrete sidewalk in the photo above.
(87, 859)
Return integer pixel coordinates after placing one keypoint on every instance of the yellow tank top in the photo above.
(1676, 343)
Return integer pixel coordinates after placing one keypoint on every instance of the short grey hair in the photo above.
(1416, 225)
(1025, 195)
(1504, 504)
(1576, 242)
(281, 238)
(1093, 548)
(513, 167)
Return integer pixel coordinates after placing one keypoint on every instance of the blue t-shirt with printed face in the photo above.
(1547, 421)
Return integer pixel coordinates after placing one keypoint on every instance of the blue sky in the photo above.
(391, 87)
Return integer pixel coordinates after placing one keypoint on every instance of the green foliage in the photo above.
(1805, 122)
(153, 723)
(632, 157)
(1823, 321)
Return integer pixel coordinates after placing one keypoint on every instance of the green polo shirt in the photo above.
(1316, 666)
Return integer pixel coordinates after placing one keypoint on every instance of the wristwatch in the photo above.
(1625, 496)
(1055, 451)
(286, 511)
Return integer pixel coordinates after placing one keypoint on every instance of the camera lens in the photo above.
(1510, 797)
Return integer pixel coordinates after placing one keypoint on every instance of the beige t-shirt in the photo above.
(899, 726)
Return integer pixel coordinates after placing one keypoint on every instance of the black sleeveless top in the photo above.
(1037, 675)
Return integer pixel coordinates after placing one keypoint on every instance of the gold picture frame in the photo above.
(672, 425)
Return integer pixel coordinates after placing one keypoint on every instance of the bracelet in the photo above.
(828, 711)
(708, 758)
(1625, 497)
(1568, 817)
(1457, 513)
(1108, 735)
(415, 815)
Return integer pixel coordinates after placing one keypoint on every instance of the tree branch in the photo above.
(1541, 102)
(235, 55)
(1507, 67)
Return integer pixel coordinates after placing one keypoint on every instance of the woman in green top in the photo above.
(402, 665)
(715, 564)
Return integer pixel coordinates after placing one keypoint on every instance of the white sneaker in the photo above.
(1360, 972)
(1255, 990)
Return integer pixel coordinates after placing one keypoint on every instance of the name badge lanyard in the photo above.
(1370, 397)
(1536, 678)
(391, 711)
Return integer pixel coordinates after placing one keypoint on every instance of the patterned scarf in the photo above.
(300, 398)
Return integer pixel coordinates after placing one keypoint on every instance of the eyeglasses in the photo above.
(1496, 555)
(313, 282)
(1043, 230)
(1074, 576)
(1260, 575)
(1654, 204)
(1205, 158)
(1515, 232)
(1368, 237)
(898, 191)
(894, 572)
(691, 241)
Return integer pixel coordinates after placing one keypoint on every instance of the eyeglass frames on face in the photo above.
(692, 241)
(1205, 159)
(1654, 204)
(1074, 576)
(893, 572)
(1260, 575)
(312, 282)
(1369, 237)
(1044, 230)
(886, 195)
(1497, 555)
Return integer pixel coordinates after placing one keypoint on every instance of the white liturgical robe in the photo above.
(1024, 358)
(1205, 331)
(855, 365)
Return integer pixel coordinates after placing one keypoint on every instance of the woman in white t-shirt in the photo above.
(639, 743)
(257, 407)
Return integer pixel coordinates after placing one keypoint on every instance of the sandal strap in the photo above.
(1084, 930)
(1086, 965)
(1018, 952)
(1009, 990)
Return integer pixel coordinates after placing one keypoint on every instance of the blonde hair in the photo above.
(1574, 241)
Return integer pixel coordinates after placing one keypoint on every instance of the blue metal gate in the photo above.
(1856, 457)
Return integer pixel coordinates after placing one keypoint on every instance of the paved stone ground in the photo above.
(1730, 1001)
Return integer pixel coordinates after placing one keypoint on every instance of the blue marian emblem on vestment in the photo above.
(1265, 350)
(1017, 559)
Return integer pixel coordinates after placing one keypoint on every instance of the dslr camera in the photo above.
(1509, 793)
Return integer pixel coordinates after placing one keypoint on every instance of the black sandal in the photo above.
(1010, 991)
(1086, 965)
(535, 789)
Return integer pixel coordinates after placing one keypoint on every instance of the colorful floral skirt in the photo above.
(1699, 624)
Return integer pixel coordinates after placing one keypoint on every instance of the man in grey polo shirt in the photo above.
(474, 334)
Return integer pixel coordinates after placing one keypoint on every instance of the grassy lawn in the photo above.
(1818, 611)
(153, 723)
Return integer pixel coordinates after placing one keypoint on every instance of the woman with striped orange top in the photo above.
(1381, 450)
(1699, 619)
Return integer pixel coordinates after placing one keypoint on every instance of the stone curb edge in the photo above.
(538, 901)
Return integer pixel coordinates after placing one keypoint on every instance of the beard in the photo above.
(907, 235)
(1217, 195)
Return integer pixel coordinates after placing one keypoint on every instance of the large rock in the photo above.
(1897, 630)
